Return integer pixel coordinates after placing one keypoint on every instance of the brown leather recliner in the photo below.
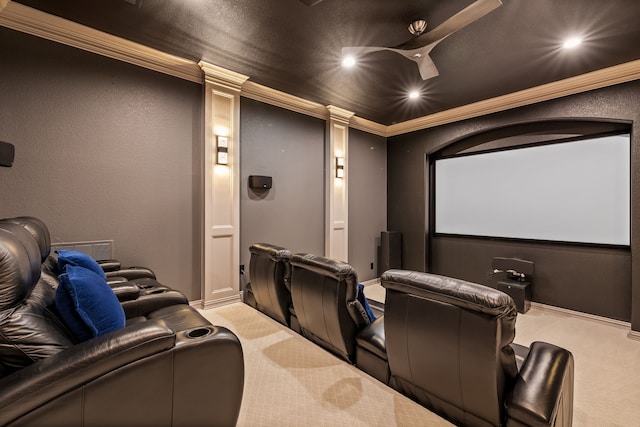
(448, 344)
(168, 367)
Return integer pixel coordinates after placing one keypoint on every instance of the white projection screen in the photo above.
(576, 191)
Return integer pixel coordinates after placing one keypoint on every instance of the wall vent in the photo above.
(98, 249)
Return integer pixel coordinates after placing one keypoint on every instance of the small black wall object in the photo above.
(260, 182)
(7, 154)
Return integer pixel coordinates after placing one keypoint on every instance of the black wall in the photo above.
(588, 279)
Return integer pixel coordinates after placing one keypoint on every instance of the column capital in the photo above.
(339, 114)
(222, 77)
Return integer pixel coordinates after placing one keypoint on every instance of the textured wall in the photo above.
(367, 171)
(289, 147)
(615, 295)
(104, 150)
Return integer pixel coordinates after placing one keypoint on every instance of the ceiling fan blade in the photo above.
(466, 16)
(357, 50)
(420, 56)
(311, 2)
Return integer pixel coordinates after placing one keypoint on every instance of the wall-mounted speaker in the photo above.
(260, 182)
(7, 154)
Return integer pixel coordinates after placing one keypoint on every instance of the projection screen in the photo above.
(576, 191)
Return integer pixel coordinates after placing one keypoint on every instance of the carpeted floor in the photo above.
(289, 381)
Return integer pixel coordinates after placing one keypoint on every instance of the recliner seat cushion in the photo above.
(87, 305)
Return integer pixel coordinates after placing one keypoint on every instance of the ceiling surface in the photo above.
(296, 48)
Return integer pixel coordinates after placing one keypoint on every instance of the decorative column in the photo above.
(221, 259)
(337, 206)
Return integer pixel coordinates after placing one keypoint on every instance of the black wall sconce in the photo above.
(339, 167)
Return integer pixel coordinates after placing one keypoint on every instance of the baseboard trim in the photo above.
(633, 335)
(581, 315)
(206, 305)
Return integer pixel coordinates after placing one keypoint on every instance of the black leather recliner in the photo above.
(270, 273)
(166, 367)
(136, 288)
(324, 295)
(448, 344)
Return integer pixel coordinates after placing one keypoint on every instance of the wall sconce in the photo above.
(339, 167)
(222, 150)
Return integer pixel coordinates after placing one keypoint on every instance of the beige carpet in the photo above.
(289, 381)
(607, 363)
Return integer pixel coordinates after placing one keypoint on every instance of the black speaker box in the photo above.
(7, 154)
(390, 250)
(260, 182)
(519, 291)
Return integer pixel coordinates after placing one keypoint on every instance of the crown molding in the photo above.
(222, 77)
(369, 126)
(339, 114)
(32, 21)
(284, 100)
(585, 82)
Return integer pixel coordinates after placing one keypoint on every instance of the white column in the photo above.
(337, 206)
(221, 276)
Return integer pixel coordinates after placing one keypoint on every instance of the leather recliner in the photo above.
(270, 274)
(448, 345)
(138, 292)
(324, 295)
(168, 367)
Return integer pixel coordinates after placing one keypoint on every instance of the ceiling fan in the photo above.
(311, 2)
(418, 48)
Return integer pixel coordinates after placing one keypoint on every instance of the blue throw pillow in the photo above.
(68, 257)
(87, 304)
(365, 303)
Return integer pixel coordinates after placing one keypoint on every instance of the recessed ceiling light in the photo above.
(349, 61)
(414, 94)
(572, 42)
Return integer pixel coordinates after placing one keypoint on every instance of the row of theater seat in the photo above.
(445, 343)
(162, 367)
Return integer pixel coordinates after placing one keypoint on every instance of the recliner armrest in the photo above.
(125, 291)
(46, 379)
(543, 391)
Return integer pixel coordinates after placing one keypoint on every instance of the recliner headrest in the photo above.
(471, 296)
(327, 267)
(19, 264)
(274, 252)
(38, 230)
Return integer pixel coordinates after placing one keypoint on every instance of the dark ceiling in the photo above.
(295, 48)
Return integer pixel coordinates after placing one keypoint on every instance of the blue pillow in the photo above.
(68, 257)
(87, 305)
(365, 303)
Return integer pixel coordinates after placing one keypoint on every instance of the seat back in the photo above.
(324, 299)
(448, 346)
(38, 230)
(28, 329)
(270, 274)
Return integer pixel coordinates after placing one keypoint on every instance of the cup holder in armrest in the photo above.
(147, 286)
(155, 291)
(199, 332)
